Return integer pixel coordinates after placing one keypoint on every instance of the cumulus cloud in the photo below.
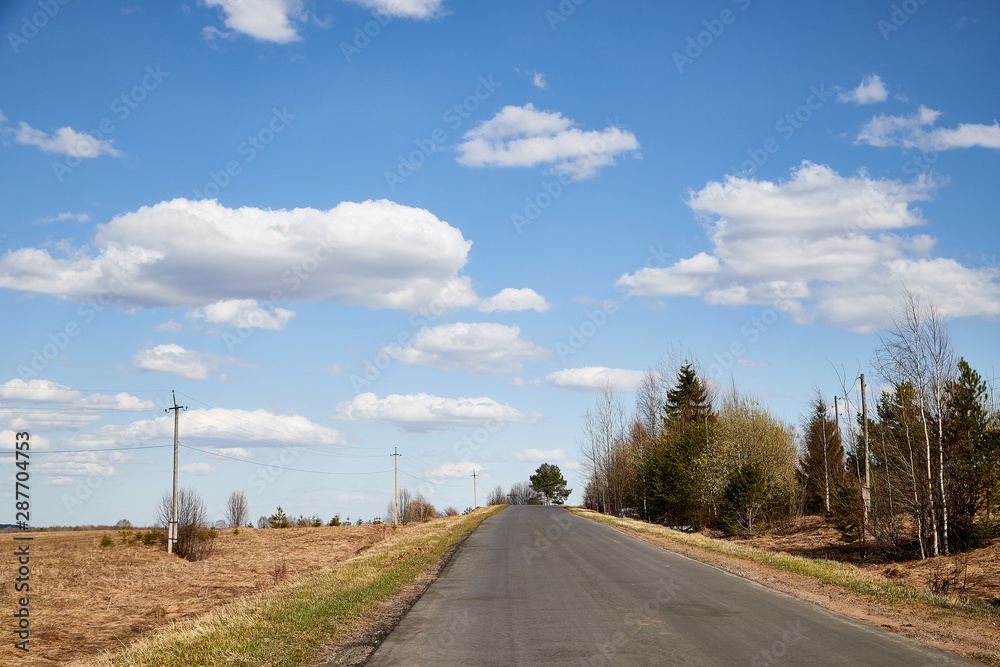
(213, 426)
(510, 299)
(178, 361)
(265, 20)
(870, 91)
(538, 455)
(425, 413)
(67, 141)
(30, 406)
(595, 378)
(409, 9)
(525, 137)
(453, 470)
(244, 313)
(917, 131)
(477, 348)
(203, 255)
(820, 247)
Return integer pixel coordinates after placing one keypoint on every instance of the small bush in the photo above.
(127, 537)
(106, 541)
(151, 537)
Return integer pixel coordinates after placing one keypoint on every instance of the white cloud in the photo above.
(266, 20)
(178, 361)
(75, 410)
(170, 326)
(426, 413)
(538, 79)
(453, 470)
(67, 141)
(916, 131)
(594, 378)
(510, 299)
(820, 247)
(478, 348)
(538, 455)
(196, 468)
(332, 369)
(409, 9)
(197, 253)
(207, 426)
(525, 137)
(68, 215)
(244, 313)
(870, 91)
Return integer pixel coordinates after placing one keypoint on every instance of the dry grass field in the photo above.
(86, 599)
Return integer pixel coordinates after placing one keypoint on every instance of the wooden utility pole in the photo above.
(475, 502)
(172, 528)
(395, 485)
(866, 490)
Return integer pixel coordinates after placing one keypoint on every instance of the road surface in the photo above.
(541, 586)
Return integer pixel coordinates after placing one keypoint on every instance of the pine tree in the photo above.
(687, 401)
(549, 483)
(822, 463)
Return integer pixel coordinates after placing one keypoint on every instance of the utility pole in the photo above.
(866, 491)
(395, 485)
(172, 529)
(475, 502)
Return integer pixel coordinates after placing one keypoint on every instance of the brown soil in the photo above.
(85, 600)
(977, 639)
(976, 574)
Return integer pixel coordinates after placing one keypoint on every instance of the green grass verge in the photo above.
(834, 573)
(287, 625)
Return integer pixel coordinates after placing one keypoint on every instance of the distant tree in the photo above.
(822, 462)
(450, 511)
(496, 496)
(303, 522)
(747, 492)
(193, 534)
(359, 522)
(237, 508)
(220, 524)
(335, 521)
(126, 524)
(262, 522)
(522, 493)
(550, 484)
(278, 519)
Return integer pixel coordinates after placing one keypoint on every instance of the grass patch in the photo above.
(834, 573)
(288, 624)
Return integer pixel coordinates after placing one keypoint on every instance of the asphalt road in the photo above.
(540, 586)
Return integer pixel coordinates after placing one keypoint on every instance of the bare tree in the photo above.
(521, 493)
(193, 540)
(496, 496)
(237, 509)
(916, 349)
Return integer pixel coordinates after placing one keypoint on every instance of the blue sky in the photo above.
(339, 228)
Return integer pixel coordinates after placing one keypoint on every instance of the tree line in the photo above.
(912, 469)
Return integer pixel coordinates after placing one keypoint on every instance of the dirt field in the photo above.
(978, 571)
(85, 599)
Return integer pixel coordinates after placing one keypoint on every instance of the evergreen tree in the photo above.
(822, 463)
(687, 402)
(673, 494)
(549, 483)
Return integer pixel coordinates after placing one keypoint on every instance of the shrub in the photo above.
(106, 541)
